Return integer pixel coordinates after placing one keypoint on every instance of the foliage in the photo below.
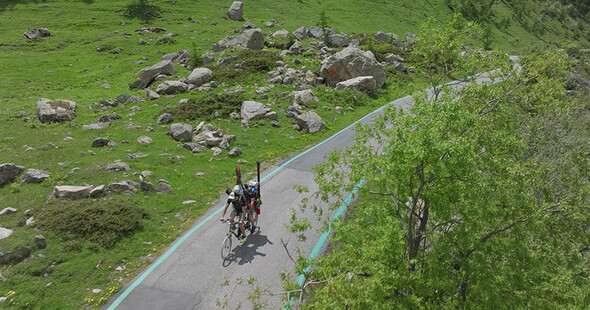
(249, 61)
(380, 49)
(195, 56)
(464, 206)
(204, 107)
(143, 10)
(476, 10)
(101, 221)
(345, 98)
(323, 23)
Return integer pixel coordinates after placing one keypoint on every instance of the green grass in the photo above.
(68, 66)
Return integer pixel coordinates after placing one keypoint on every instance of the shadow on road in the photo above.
(246, 252)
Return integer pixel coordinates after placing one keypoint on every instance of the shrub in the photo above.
(250, 61)
(102, 221)
(345, 97)
(205, 107)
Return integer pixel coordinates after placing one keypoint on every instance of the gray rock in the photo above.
(315, 32)
(364, 84)
(310, 122)
(281, 33)
(182, 57)
(235, 151)
(392, 59)
(58, 110)
(8, 172)
(40, 241)
(181, 132)
(253, 110)
(300, 33)
(72, 192)
(151, 95)
(384, 37)
(193, 147)
(7, 211)
(216, 151)
(143, 42)
(171, 87)
(351, 62)
(400, 67)
(199, 76)
(294, 109)
(252, 39)
(124, 98)
(304, 97)
(109, 117)
(95, 126)
(5, 233)
(275, 123)
(212, 141)
(98, 192)
(269, 24)
(147, 75)
(337, 40)
(125, 187)
(16, 256)
(34, 176)
(248, 25)
(271, 115)
(147, 186)
(163, 187)
(235, 11)
(102, 142)
(339, 110)
(37, 33)
(144, 140)
(165, 118)
(118, 167)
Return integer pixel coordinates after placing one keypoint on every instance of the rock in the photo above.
(102, 142)
(109, 117)
(337, 40)
(400, 67)
(310, 122)
(98, 192)
(252, 39)
(144, 140)
(5, 233)
(171, 87)
(147, 186)
(34, 176)
(8, 172)
(40, 241)
(124, 98)
(182, 57)
(199, 76)
(392, 59)
(181, 132)
(96, 291)
(303, 97)
(30, 221)
(364, 84)
(143, 42)
(125, 187)
(384, 37)
(117, 167)
(72, 192)
(163, 187)
(351, 62)
(253, 110)
(235, 11)
(315, 32)
(271, 115)
(7, 211)
(58, 110)
(193, 147)
(300, 33)
(216, 151)
(15, 256)
(339, 110)
(235, 151)
(151, 95)
(37, 33)
(269, 24)
(94, 126)
(147, 75)
(212, 141)
(281, 33)
(275, 123)
(165, 118)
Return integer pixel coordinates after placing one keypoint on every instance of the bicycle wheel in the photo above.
(255, 218)
(226, 247)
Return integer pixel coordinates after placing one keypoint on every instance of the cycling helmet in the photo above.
(237, 190)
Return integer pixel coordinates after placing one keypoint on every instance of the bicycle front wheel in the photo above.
(255, 218)
(226, 247)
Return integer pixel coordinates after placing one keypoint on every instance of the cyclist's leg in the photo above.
(241, 225)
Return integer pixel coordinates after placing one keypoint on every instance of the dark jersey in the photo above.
(238, 204)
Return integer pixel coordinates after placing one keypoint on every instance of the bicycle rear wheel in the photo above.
(226, 247)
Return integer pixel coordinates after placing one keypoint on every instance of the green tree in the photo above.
(461, 204)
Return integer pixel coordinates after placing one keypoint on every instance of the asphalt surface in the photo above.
(192, 275)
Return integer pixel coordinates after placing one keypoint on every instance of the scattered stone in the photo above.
(171, 87)
(58, 110)
(235, 151)
(118, 167)
(145, 174)
(15, 256)
(34, 176)
(364, 84)
(37, 33)
(30, 221)
(198, 174)
(165, 118)
(98, 192)
(97, 125)
(144, 140)
(193, 147)
(8, 172)
(216, 151)
(304, 97)
(151, 95)
(72, 192)
(5, 233)
(96, 290)
(29, 149)
(351, 62)
(126, 187)
(135, 109)
(109, 117)
(163, 187)
(235, 12)
(181, 132)
(199, 76)
(7, 211)
(143, 42)
(275, 123)
(253, 110)
(384, 37)
(148, 74)
(40, 241)
(337, 40)
(310, 122)
(147, 186)
(188, 202)
(339, 110)
(102, 142)
(271, 115)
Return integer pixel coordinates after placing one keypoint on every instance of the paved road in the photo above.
(190, 275)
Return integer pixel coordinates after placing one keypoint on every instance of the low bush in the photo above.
(250, 61)
(205, 107)
(345, 98)
(102, 221)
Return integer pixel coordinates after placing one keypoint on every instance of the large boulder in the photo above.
(300, 33)
(37, 33)
(165, 118)
(147, 75)
(253, 110)
(337, 40)
(315, 32)
(181, 132)
(182, 57)
(199, 76)
(34, 176)
(58, 110)
(171, 87)
(252, 39)
(304, 97)
(365, 84)
(351, 62)
(310, 122)
(72, 192)
(384, 37)
(8, 172)
(235, 11)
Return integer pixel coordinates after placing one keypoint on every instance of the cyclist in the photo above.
(239, 209)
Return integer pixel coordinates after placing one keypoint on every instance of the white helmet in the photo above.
(237, 190)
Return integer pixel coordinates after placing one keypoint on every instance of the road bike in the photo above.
(234, 231)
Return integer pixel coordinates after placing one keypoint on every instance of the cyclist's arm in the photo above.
(223, 214)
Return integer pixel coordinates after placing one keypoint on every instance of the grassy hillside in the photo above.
(69, 66)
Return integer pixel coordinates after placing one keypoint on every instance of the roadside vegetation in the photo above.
(93, 55)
